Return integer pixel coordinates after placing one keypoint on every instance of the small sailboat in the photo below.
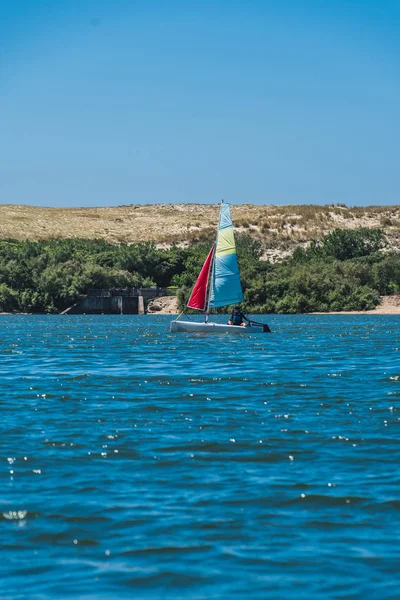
(223, 286)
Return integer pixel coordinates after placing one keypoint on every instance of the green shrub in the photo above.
(8, 298)
(345, 244)
(343, 271)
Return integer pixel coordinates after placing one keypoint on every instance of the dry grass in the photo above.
(279, 227)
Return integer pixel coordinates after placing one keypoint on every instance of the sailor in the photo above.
(238, 318)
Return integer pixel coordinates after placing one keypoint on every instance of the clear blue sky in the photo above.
(123, 101)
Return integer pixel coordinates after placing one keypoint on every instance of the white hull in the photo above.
(192, 327)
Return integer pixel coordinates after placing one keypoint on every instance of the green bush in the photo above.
(345, 244)
(344, 271)
(8, 298)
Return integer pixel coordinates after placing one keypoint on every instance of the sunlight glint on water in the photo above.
(140, 464)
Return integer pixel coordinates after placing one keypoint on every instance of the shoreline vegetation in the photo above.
(347, 270)
(388, 305)
(293, 259)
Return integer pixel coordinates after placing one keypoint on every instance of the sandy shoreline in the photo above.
(389, 305)
(376, 311)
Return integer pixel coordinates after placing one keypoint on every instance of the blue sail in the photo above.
(225, 280)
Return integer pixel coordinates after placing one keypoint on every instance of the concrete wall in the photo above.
(101, 305)
(115, 302)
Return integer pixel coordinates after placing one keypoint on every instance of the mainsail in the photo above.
(225, 279)
(198, 296)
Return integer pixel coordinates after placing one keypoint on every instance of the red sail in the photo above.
(197, 298)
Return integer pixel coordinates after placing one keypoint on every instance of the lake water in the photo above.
(136, 464)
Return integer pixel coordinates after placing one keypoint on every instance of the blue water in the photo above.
(137, 464)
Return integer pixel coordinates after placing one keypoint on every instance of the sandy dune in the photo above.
(281, 228)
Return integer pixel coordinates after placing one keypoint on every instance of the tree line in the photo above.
(346, 270)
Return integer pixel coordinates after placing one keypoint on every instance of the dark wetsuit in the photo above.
(238, 317)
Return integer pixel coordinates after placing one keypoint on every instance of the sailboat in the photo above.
(219, 279)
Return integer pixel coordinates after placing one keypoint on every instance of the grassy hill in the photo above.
(280, 228)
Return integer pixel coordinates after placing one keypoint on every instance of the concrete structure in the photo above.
(130, 301)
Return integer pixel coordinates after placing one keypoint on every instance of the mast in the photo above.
(212, 267)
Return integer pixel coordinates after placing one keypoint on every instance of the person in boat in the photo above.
(238, 318)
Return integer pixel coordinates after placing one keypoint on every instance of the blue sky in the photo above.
(268, 102)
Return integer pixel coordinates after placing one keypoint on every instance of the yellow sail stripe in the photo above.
(226, 242)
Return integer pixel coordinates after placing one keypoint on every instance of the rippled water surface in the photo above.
(136, 463)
